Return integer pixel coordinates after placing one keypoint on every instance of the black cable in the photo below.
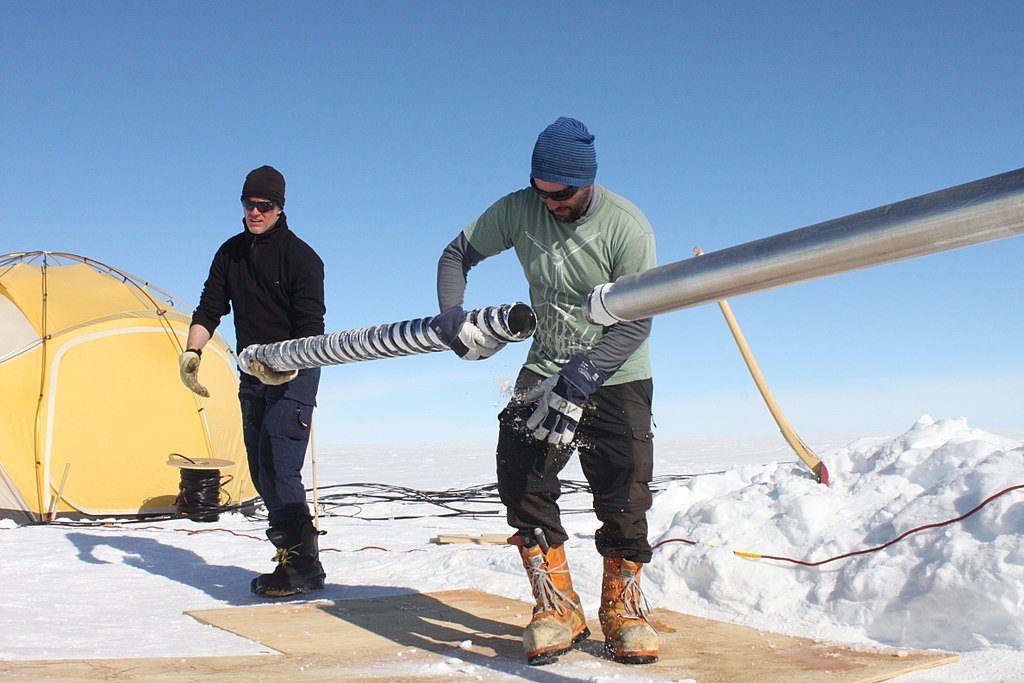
(246, 508)
(198, 500)
(474, 501)
(199, 494)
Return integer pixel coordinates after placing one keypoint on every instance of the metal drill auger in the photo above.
(507, 323)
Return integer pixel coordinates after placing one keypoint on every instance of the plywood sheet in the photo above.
(468, 633)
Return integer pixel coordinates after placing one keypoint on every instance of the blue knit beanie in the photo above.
(564, 154)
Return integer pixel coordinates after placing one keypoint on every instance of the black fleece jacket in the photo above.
(274, 281)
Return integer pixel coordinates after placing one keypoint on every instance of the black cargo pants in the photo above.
(616, 450)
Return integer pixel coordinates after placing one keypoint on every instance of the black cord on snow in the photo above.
(353, 499)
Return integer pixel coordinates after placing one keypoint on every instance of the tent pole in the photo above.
(42, 468)
(312, 447)
(51, 513)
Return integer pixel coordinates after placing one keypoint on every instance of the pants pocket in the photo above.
(643, 455)
(295, 419)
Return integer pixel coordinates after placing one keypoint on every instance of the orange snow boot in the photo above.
(558, 621)
(628, 636)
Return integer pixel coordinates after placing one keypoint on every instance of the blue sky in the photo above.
(128, 128)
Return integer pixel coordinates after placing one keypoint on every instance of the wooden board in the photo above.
(481, 539)
(456, 634)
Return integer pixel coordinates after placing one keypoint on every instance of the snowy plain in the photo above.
(122, 590)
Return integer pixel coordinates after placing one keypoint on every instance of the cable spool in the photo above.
(199, 489)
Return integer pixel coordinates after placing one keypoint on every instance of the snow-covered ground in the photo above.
(121, 590)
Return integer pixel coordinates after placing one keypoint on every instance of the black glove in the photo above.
(561, 400)
(463, 337)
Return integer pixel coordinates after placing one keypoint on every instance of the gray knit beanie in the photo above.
(564, 154)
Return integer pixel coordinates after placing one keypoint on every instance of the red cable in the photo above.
(657, 545)
(859, 552)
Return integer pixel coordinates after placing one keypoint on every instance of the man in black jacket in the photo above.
(275, 282)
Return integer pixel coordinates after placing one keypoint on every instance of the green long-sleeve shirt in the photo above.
(564, 261)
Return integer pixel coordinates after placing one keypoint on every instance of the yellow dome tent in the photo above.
(91, 407)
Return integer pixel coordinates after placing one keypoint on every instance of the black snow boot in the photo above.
(298, 562)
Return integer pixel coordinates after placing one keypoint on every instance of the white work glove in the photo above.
(269, 376)
(188, 368)
(561, 400)
(463, 337)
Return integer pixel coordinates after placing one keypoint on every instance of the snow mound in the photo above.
(959, 586)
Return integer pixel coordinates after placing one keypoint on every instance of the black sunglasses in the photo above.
(262, 207)
(559, 196)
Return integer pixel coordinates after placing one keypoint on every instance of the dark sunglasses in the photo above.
(262, 207)
(559, 196)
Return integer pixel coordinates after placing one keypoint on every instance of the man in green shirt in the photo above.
(584, 387)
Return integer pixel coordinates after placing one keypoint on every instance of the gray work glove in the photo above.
(561, 398)
(188, 367)
(463, 336)
(269, 376)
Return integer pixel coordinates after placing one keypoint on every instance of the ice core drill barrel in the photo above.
(975, 212)
(508, 323)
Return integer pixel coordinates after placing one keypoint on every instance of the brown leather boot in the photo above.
(558, 622)
(628, 637)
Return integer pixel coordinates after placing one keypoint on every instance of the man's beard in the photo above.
(575, 210)
(571, 217)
